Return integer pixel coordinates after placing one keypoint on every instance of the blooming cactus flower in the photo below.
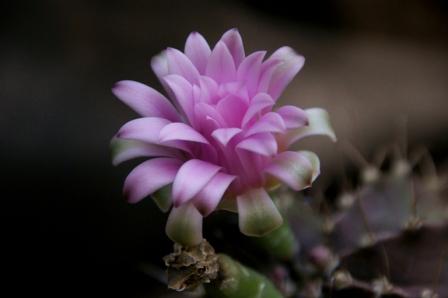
(219, 142)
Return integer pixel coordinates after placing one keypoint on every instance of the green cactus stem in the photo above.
(237, 281)
(280, 243)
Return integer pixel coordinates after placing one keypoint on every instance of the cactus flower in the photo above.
(216, 140)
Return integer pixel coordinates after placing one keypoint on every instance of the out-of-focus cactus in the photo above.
(387, 237)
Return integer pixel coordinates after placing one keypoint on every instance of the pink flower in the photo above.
(218, 143)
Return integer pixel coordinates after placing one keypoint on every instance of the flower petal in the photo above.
(150, 176)
(124, 150)
(184, 225)
(260, 102)
(179, 64)
(143, 129)
(183, 93)
(234, 43)
(145, 100)
(221, 66)
(192, 177)
(198, 50)
(267, 69)
(250, 69)
(159, 65)
(285, 71)
(318, 124)
(257, 214)
(293, 116)
(209, 89)
(179, 131)
(261, 143)
(232, 109)
(269, 122)
(224, 135)
(297, 169)
(162, 198)
(208, 198)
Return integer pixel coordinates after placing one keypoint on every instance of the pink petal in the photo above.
(159, 65)
(224, 135)
(297, 169)
(232, 109)
(262, 143)
(179, 64)
(269, 122)
(183, 93)
(198, 50)
(286, 71)
(250, 69)
(204, 110)
(293, 116)
(208, 198)
(124, 150)
(257, 214)
(209, 89)
(234, 43)
(221, 66)
(267, 69)
(192, 177)
(143, 129)
(260, 102)
(233, 88)
(179, 131)
(145, 100)
(150, 176)
(184, 225)
(318, 124)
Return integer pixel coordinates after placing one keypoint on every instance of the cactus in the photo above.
(387, 237)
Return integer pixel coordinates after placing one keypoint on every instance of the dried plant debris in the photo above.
(189, 267)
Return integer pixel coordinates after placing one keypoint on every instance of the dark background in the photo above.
(67, 230)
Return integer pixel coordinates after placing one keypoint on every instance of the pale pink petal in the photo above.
(150, 176)
(179, 131)
(262, 143)
(183, 93)
(224, 135)
(179, 64)
(293, 116)
(237, 89)
(259, 103)
(232, 109)
(257, 214)
(198, 50)
(318, 124)
(192, 177)
(204, 111)
(184, 225)
(145, 100)
(221, 66)
(124, 150)
(143, 129)
(297, 169)
(234, 43)
(159, 65)
(269, 122)
(285, 71)
(208, 198)
(267, 69)
(209, 89)
(250, 69)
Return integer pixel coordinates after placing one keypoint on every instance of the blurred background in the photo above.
(68, 230)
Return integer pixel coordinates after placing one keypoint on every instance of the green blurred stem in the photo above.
(238, 281)
(280, 243)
